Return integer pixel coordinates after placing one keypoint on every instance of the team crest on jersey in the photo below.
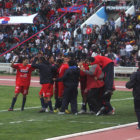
(24, 70)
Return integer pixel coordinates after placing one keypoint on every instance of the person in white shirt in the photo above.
(129, 49)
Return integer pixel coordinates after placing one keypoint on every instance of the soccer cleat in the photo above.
(46, 110)
(42, 110)
(91, 112)
(112, 112)
(51, 111)
(61, 113)
(76, 114)
(10, 109)
(22, 109)
(67, 111)
(82, 111)
(100, 111)
(56, 110)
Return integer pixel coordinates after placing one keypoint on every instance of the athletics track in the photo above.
(122, 132)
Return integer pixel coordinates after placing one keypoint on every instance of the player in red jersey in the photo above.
(83, 83)
(23, 78)
(107, 66)
(61, 72)
(58, 102)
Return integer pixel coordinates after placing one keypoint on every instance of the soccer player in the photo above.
(58, 101)
(107, 66)
(23, 78)
(94, 84)
(45, 70)
(83, 83)
(60, 84)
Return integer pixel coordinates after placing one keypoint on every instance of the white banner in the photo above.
(17, 19)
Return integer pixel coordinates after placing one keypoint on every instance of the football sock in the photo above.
(42, 102)
(50, 105)
(56, 103)
(13, 102)
(23, 103)
(84, 106)
(59, 103)
(46, 105)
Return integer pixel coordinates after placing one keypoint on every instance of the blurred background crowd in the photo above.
(121, 44)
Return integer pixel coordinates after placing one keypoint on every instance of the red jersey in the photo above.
(62, 69)
(102, 61)
(94, 71)
(82, 74)
(61, 72)
(23, 76)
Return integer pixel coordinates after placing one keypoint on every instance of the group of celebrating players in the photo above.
(61, 78)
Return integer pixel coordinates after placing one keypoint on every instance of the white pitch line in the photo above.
(91, 132)
(117, 100)
(15, 122)
(34, 81)
(125, 99)
(113, 100)
(20, 108)
(37, 81)
(135, 138)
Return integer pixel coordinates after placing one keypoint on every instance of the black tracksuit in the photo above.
(135, 84)
(70, 80)
(45, 71)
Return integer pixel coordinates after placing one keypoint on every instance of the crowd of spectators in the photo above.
(121, 44)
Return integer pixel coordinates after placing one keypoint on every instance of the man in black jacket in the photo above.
(45, 71)
(135, 84)
(70, 80)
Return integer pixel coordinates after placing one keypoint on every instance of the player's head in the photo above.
(25, 61)
(90, 60)
(72, 63)
(66, 59)
(59, 62)
(51, 59)
(42, 60)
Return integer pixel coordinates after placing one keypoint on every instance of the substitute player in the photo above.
(23, 78)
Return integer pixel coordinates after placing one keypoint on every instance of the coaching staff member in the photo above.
(135, 84)
(70, 80)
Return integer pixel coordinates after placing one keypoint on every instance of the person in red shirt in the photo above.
(83, 82)
(107, 66)
(23, 78)
(58, 101)
(94, 83)
(61, 72)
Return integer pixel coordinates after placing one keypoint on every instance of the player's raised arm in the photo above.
(12, 64)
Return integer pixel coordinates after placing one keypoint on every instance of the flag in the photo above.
(17, 19)
(73, 9)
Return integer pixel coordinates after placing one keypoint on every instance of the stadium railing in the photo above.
(118, 70)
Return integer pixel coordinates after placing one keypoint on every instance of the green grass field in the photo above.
(31, 125)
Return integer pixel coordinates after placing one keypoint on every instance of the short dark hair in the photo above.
(59, 61)
(72, 63)
(43, 60)
(21, 59)
(91, 59)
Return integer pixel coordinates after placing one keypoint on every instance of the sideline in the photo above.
(91, 132)
(113, 100)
